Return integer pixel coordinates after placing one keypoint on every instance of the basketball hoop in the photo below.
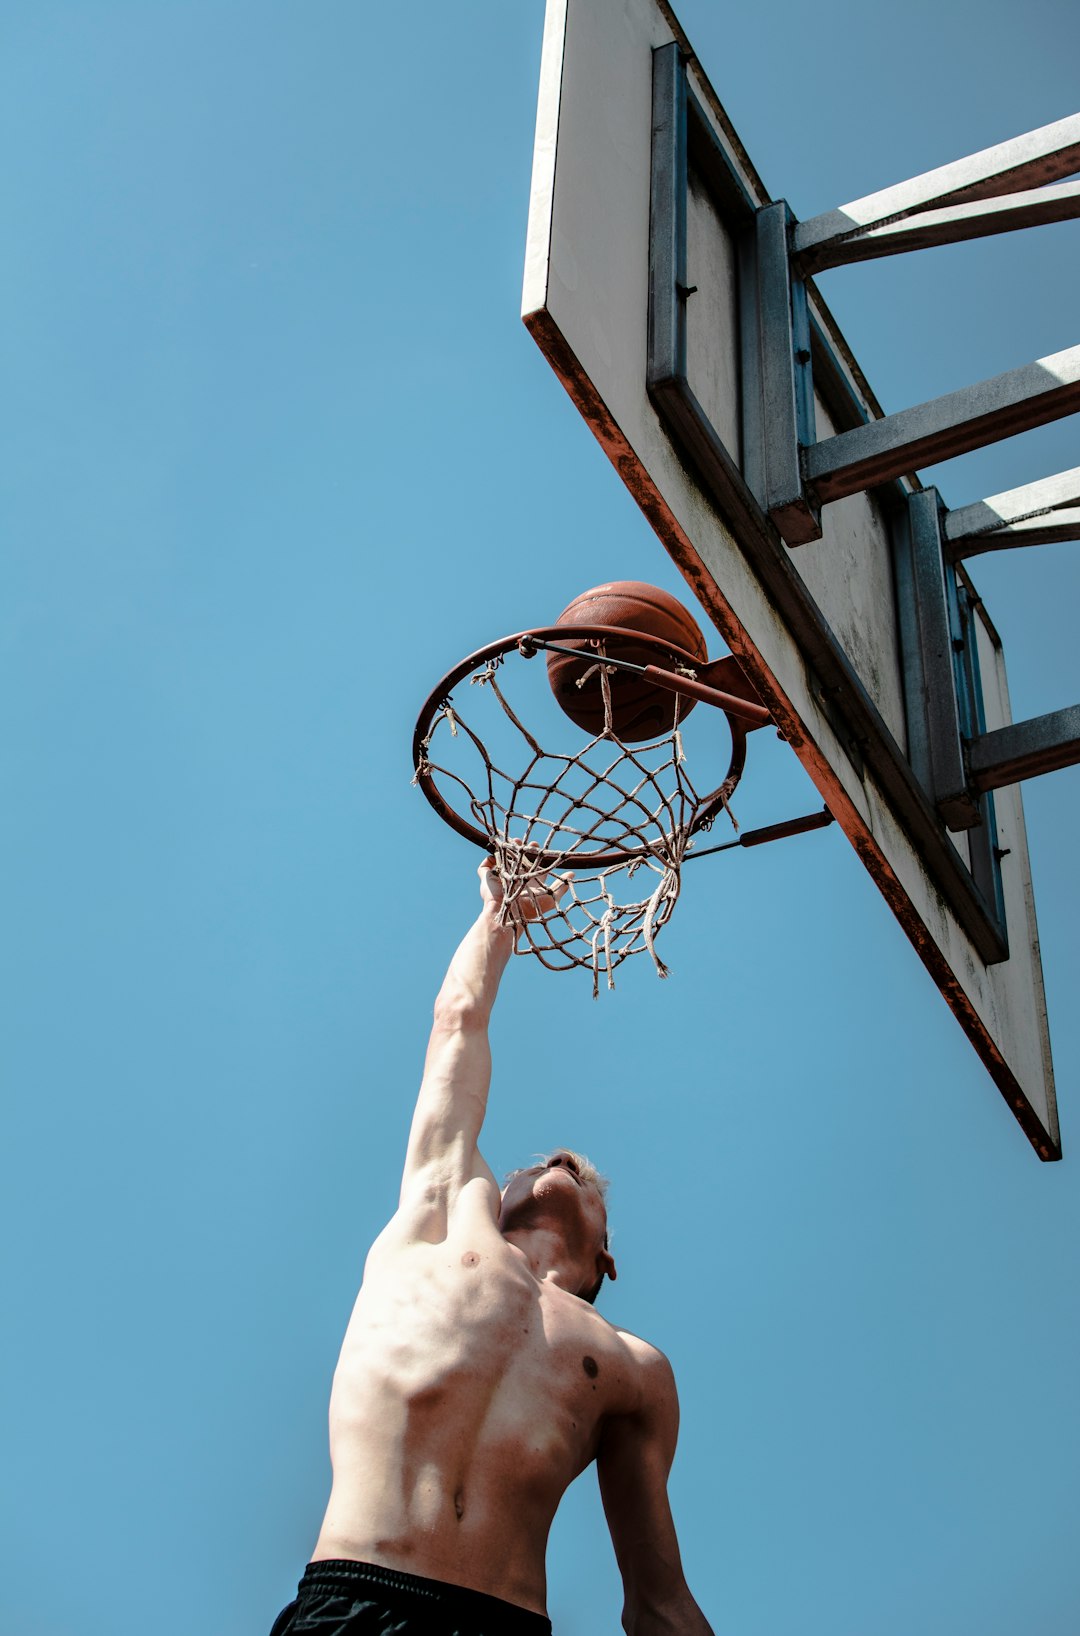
(616, 819)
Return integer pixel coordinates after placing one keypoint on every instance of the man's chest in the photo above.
(473, 1314)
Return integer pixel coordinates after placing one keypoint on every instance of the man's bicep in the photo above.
(633, 1464)
(634, 1461)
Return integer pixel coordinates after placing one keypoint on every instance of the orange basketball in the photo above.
(639, 710)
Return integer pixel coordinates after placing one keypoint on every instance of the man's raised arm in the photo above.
(442, 1153)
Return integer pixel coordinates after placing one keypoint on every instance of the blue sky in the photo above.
(277, 451)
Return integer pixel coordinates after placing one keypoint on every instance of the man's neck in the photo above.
(548, 1257)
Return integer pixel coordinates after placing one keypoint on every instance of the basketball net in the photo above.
(613, 821)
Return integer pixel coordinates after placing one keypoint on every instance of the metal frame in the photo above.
(789, 471)
(994, 191)
(956, 759)
(1001, 189)
(1042, 513)
(1025, 749)
(786, 405)
(787, 475)
(941, 428)
(930, 672)
(587, 260)
(1034, 208)
(778, 380)
(985, 858)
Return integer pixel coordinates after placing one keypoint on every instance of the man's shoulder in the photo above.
(647, 1405)
(650, 1369)
(644, 1353)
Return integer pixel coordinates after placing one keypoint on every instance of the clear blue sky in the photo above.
(276, 451)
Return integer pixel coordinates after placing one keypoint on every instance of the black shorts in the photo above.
(360, 1599)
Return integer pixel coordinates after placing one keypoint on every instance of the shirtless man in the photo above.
(476, 1380)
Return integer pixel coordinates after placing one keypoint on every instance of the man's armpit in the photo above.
(434, 1197)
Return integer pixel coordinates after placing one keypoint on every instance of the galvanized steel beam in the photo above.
(734, 491)
(1046, 155)
(667, 234)
(1055, 528)
(1039, 513)
(944, 427)
(786, 408)
(941, 750)
(1026, 749)
(922, 231)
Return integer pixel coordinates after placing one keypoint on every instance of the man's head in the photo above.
(563, 1191)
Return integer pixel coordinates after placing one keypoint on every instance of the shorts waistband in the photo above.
(474, 1607)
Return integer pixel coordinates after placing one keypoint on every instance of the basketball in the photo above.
(639, 710)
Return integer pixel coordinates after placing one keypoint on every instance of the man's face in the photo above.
(555, 1185)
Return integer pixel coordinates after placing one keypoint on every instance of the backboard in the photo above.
(656, 278)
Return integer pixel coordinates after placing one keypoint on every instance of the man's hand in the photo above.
(537, 898)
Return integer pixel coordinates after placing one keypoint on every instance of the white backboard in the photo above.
(823, 631)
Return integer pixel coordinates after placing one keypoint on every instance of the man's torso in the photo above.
(467, 1397)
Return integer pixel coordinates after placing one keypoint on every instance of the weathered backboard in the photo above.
(647, 286)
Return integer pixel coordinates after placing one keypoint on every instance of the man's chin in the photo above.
(552, 1187)
(557, 1177)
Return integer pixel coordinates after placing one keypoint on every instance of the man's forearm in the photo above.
(457, 1070)
(472, 979)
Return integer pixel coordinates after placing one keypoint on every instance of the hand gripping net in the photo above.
(613, 821)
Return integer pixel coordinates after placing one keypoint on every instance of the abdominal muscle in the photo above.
(466, 1399)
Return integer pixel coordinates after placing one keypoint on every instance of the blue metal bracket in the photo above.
(785, 411)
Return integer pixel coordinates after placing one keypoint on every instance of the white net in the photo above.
(613, 820)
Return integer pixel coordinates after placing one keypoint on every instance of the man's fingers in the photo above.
(533, 899)
(491, 885)
(562, 885)
(541, 897)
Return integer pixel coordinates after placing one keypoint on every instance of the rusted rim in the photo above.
(436, 699)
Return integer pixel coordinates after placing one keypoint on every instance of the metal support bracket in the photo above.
(1025, 749)
(771, 832)
(943, 693)
(944, 427)
(1035, 208)
(955, 758)
(786, 409)
(765, 477)
(938, 750)
(994, 191)
(1042, 513)
(1000, 189)
(677, 122)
